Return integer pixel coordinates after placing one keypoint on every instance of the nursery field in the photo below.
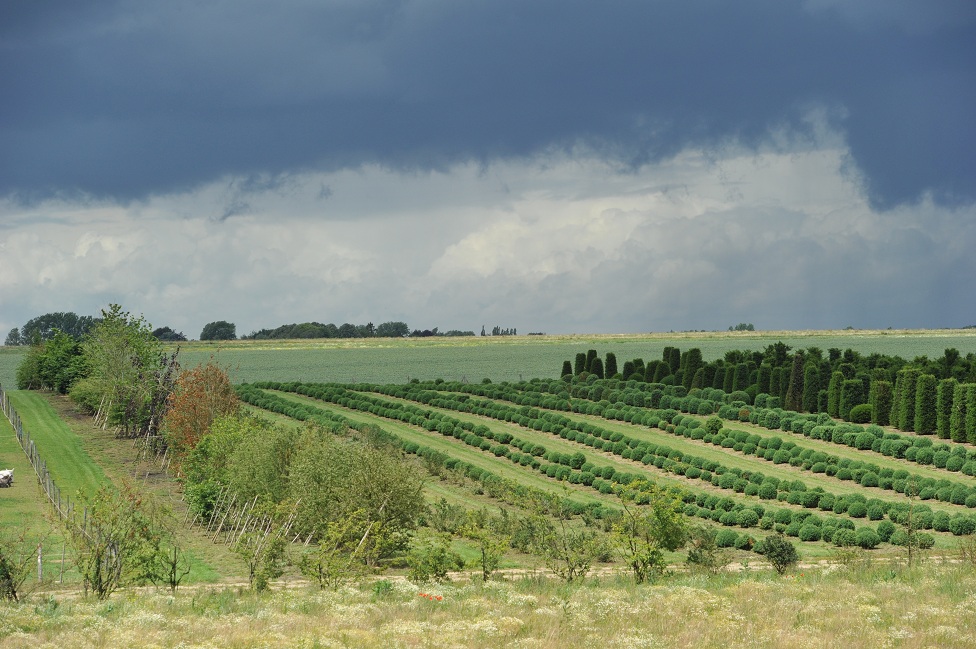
(490, 427)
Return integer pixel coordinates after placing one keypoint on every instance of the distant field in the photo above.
(511, 358)
(524, 357)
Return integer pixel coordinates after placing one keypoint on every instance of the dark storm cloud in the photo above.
(125, 101)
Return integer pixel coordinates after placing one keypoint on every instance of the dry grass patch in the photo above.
(933, 605)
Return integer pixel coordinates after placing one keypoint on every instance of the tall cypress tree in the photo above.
(580, 363)
(672, 356)
(794, 390)
(833, 394)
(628, 369)
(775, 381)
(957, 417)
(740, 381)
(906, 409)
(611, 365)
(811, 386)
(971, 413)
(692, 362)
(926, 404)
(943, 404)
(596, 367)
(662, 370)
(590, 357)
(762, 380)
(851, 394)
(881, 398)
(567, 368)
(718, 381)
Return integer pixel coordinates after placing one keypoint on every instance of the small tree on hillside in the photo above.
(115, 543)
(780, 552)
(18, 550)
(567, 549)
(644, 533)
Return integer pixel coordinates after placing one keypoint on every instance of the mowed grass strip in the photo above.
(72, 469)
(24, 501)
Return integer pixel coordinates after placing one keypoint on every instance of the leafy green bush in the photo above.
(780, 552)
(867, 538)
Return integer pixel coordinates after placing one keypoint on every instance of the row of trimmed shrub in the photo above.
(689, 466)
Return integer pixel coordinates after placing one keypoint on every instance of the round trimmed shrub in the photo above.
(961, 525)
(767, 491)
(867, 538)
(726, 538)
(869, 479)
(809, 533)
(860, 414)
(747, 518)
(844, 538)
(857, 510)
(885, 530)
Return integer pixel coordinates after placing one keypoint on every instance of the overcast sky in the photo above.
(553, 166)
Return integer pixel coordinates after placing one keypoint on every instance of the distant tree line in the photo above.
(392, 329)
(498, 331)
(46, 327)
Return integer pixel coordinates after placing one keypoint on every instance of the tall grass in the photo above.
(930, 606)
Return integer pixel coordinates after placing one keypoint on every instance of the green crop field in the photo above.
(509, 358)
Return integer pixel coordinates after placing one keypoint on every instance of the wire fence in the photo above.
(62, 505)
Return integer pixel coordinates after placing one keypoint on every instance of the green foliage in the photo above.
(860, 414)
(18, 551)
(926, 404)
(644, 532)
(262, 549)
(567, 549)
(54, 363)
(129, 373)
(432, 559)
(117, 542)
(906, 388)
(704, 553)
(780, 552)
(219, 330)
(881, 402)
